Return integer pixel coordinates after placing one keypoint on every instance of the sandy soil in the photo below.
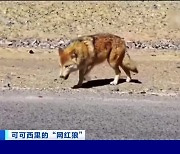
(158, 73)
(159, 70)
(132, 20)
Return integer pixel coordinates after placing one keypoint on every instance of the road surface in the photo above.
(103, 116)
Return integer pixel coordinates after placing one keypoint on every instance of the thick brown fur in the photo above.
(85, 52)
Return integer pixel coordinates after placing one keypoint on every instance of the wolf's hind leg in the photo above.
(117, 75)
(113, 61)
(127, 71)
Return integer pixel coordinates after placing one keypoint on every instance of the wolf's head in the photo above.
(70, 58)
(68, 63)
(73, 57)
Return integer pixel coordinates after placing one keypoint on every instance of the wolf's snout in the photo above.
(64, 77)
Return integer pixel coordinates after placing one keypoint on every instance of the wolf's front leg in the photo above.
(81, 78)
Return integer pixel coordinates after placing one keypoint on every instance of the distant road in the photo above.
(102, 116)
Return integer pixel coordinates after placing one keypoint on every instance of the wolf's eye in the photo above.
(67, 66)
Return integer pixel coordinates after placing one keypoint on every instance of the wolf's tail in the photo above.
(129, 63)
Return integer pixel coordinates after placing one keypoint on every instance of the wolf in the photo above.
(85, 52)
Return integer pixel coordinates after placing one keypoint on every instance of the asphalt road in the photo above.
(103, 116)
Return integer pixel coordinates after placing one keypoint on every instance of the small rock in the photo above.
(55, 80)
(10, 43)
(31, 51)
(51, 47)
(130, 92)
(9, 23)
(154, 94)
(8, 85)
(142, 92)
(115, 89)
(18, 77)
(155, 6)
(40, 96)
(35, 42)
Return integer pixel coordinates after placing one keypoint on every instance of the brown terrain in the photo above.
(30, 34)
(159, 68)
(158, 73)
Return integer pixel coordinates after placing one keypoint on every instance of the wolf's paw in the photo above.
(128, 79)
(113, 83)
(76, 86)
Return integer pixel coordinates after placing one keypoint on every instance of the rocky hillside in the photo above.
(55, 20)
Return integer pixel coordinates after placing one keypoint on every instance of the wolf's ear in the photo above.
(89, 43)
(60, 51)
(74, 55)
(87, 40)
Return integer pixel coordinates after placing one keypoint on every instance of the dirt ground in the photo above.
(159, 70)
(159, 73)
(138, 20)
